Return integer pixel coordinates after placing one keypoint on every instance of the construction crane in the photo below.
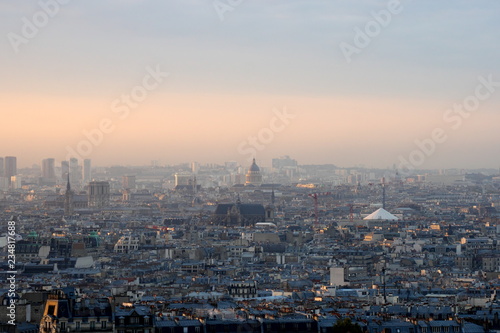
(315, 197)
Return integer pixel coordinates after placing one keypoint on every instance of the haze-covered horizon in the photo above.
(372, 83)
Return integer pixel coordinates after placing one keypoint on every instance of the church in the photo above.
(239, 214)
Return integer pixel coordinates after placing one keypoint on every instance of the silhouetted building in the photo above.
(239, 214)
(10, 168)
(64, 170)
(48, 171)
(98, 194)
(284, 162)
(73, 171)
(87, 172)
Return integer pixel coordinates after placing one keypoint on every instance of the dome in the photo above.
(253, 176)
(254, 167)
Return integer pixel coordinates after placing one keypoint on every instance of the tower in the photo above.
(87, 173)
(10, 168)
(48, 170)
(68, 199)
(64, 170)
(73, 170)
(98, 194)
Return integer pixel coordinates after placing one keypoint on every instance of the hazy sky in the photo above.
(361, 81)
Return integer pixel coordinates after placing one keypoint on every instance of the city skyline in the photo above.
(208, 79)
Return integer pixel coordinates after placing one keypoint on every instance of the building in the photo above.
(2, 169)
(137, 319)
(128, 182)
(186, 181)
(243, 289)
(48, 171)
(254, 177)
(74, 171)
(87, 172)
(239, 214)
(98, 195)
(10, 167)
(195, 167)
(64, 170)
(284, 162)
(64, 312)
(183, 179)
(16, 182)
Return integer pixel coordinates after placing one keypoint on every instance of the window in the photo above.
(78, 323)
(134, 320)
(103, 324)
(63, 326)
(92, 325)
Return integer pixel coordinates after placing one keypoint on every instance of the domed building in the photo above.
(254, 177)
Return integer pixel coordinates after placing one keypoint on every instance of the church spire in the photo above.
(68, 185)
(68, 200)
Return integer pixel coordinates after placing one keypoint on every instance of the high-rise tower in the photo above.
(10, 168)
(73, 171)
(48, 170)
(87, 173)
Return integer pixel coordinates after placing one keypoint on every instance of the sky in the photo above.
(415, 84)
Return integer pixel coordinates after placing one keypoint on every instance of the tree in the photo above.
(346, 326)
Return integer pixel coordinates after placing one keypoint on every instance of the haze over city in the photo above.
(222, 73)
(286, 166)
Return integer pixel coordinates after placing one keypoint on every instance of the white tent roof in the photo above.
(381, 214)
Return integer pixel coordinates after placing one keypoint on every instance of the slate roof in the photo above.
(245, 209)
